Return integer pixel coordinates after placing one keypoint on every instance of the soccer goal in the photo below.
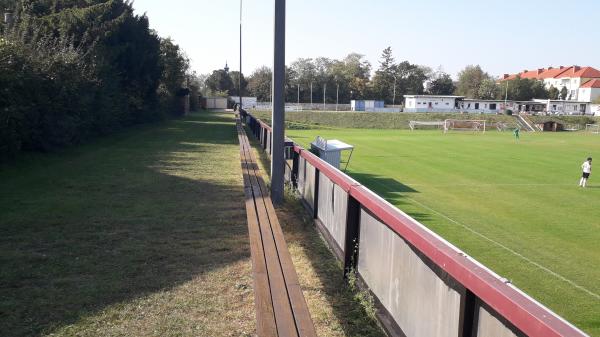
(426, 125)
(592, 128)
(464, 125)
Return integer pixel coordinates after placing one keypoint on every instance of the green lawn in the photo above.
(144, 233)
(515, 207)
(141, 233)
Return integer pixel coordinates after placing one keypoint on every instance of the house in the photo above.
(595, 109)
(366, 105)
(431, 103)
(561, 107)
(572, 78)
(248, 102)
(589, 91)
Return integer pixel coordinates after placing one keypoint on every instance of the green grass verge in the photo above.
(514, 206)
(373, 120)
(140, 233)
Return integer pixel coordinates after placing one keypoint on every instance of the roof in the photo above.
(595, 83)
(432, 96)
(332, 145)
(560, 72)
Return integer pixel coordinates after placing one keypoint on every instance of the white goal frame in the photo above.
(438, 124)
(592, 128)
(455, 125)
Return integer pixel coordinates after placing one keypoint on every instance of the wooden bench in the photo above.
(280, 306)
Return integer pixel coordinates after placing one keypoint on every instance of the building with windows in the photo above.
(573, 78)
(431, 103)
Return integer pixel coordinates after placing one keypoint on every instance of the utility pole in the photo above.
(278, 110)
(298, 94)
(506, 97)
(240, 77)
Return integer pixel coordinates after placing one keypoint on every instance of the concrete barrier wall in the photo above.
(308, 193)
(489, 325)
(420, 302)
(333, 204)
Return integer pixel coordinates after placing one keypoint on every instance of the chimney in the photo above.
(505, 76)
(576, 69)
(524, 71)
(539, 71)
(561, 67)
(550, 68)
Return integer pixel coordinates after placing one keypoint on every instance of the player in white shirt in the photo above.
(587, 169)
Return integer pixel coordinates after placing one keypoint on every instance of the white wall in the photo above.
(483, 106)
(429, 104)
(595, 109)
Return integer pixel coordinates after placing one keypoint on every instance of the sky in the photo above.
(503, 36)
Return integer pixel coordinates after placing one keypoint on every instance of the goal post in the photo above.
(592, 128)
(425, 124)
(464, 125)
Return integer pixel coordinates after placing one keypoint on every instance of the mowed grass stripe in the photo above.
(523, 195)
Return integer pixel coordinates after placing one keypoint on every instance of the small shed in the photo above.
(331, 150)
(216, 102)
(366, 105)
(551, 126)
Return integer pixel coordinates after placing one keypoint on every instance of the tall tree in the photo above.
(564, 93)
(488, 89)
(553, 92)
(442, 84)
(469, 81)
(220, 81)
(259, 84)
(235, 77)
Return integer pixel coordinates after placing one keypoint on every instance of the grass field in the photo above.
(144, 233)
(514, 206)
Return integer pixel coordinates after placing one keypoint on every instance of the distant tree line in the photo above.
(353, 76)
(72, 69)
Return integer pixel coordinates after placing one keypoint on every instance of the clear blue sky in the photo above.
(501, 36)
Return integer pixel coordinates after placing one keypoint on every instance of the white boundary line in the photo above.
(558, 276)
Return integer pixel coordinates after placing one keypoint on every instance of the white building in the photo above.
(595, 109)
(431, 103)
(572, 78)
(248, 102)
(561, 107)
(589, 91)
(481, 106)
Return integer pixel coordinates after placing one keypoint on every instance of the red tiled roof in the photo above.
(595, 83)
(560, 72)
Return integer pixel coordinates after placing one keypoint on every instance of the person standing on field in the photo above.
(516, 132)
(587, 170)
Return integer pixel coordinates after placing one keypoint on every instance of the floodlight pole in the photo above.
(324, 93)
(278, 110)
(311, 96)
(337, 96)
(240, 75)
(298, 94)
(394, 99)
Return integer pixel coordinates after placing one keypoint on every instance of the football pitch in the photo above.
(513, 205)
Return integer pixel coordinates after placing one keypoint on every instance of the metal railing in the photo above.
(422, 284)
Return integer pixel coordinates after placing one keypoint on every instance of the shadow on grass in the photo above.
(391, 190)
(115, 220)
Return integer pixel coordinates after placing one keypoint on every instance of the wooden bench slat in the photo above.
(276, 279)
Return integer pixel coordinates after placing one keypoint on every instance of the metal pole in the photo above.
(324, 93)
(240, 77)
(278, 111)
(311, 96)
(298, 94)
(337, 96)
(394, 99)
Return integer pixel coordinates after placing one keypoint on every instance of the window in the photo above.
(476, 105)
(436, 103)
(447, 103)
(492, 106)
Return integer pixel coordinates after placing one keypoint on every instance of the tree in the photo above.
(553, 92)
(235, 77)
(383, 80)
(469, 81)
(259, 84)
(174, 68)
(524, 89)
(441, 84)
(564, 93)
(220, 80)
(488, 89)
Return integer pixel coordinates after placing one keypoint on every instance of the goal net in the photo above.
(426, 125)
(593, 128)
(464, 125)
